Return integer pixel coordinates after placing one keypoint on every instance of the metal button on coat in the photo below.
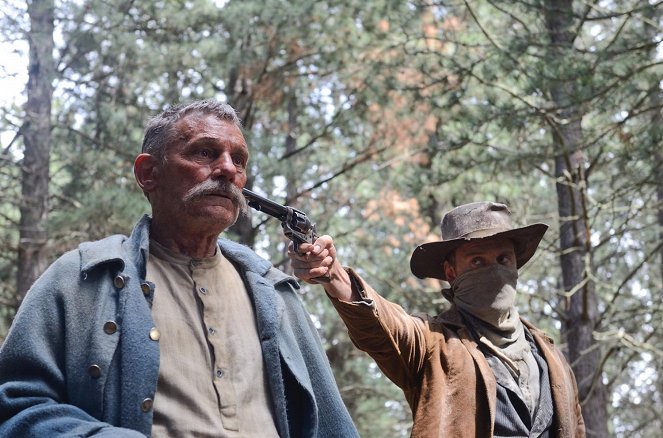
(110, 327)
(145, 288)
(155, 334)
(119, 281)
(146, 405)
(94, 371)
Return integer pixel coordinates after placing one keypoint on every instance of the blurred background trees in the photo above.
(374, 118)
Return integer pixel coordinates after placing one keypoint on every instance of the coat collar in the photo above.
(118, 249)
(123, 250)
(451, 317)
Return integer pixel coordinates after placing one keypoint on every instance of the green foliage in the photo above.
(375, 118)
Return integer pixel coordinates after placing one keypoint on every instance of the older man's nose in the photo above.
(224, 167)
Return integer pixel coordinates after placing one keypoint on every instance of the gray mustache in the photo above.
(220, 187)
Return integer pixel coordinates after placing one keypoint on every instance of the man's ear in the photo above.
(146, 170)
(449, 272)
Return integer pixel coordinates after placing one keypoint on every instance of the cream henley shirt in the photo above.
(212, 381)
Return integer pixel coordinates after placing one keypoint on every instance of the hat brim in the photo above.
(427, 259)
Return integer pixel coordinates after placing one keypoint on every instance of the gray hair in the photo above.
(160, 129)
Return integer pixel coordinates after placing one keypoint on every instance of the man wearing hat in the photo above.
(477, 369)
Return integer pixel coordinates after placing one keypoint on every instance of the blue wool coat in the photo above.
(79, 360)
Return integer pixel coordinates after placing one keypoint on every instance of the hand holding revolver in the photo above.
(319, 259)
(313, 258)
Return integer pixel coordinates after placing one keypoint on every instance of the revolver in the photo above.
(296, 225)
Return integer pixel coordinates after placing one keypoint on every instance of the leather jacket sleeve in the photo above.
(384, 330)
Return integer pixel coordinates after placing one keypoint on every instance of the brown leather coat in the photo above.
(447, 381)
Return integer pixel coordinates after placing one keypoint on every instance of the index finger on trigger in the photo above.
(304, 248)
(323, 242)
(316, 257)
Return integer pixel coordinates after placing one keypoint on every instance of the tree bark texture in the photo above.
(656, 102)
(290, 146)
(581, 310)
(241, 99)
(657, 139)
(32, 256)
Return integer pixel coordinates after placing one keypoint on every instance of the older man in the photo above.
(171, 332)
(477, 369)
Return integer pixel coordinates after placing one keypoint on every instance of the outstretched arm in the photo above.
(396, 341)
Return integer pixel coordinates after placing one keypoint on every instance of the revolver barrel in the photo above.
(265, 205)
(296, 225)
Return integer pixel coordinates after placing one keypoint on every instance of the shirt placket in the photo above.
(220, 366)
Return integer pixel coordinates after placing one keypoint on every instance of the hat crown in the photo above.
(478, 219)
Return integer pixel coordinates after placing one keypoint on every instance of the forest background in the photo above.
(374, 118)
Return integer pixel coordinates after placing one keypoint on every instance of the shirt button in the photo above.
(155, 334)
(119, 281)
(146, 405)
(211, 330)
(219, 373)
(94, 371)
(202, 290)
(110, 327)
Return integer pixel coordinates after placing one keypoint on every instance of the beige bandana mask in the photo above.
(489, 294)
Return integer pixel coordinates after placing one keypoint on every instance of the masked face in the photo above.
(488, 293)
(484, 278)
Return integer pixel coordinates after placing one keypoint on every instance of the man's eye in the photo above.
(477, 262)
(238, 161)
(504, 260)
(201, 153)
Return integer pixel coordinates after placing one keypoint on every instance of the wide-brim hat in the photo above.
(478, 220)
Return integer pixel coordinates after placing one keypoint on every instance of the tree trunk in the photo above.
(657, 139)
(656, 130)
(32, 257)
(581, 308)
(240, 97)
(290, 146)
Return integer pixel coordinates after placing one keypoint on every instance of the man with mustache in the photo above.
(172, 331)
(478, 369)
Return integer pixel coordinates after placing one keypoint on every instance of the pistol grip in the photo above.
(323, 279)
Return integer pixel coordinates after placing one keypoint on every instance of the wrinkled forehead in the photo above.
(193, 122)
(205, 124)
